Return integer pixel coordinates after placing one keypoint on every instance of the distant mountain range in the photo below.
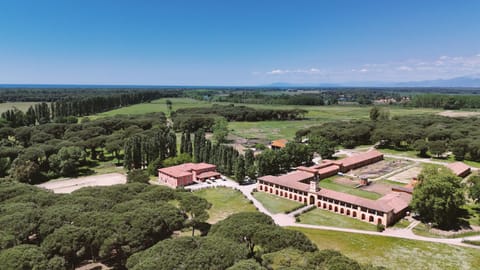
(464, 81)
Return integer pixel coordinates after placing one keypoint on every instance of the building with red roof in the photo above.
(187, 173)
(278, 144)
(301, 186)
(459, 168)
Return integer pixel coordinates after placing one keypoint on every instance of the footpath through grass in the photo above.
(326, 218)
(329, 183)
(275, 204)
(395, 253)
(225, 201)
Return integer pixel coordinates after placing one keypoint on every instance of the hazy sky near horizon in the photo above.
(244, 42)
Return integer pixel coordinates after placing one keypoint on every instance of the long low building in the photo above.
(301, 186)
(459, 168)
(186, 174)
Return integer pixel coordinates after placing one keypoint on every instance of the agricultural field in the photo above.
(326, 218)
(225, 201)
(23, 106)
(395, 253)
(275, 204)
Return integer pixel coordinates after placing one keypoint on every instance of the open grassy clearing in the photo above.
(225, 201)
(275, 204)
(326, 218)
(269, 129)
(395, 253)
(401, 224)
(329, 183)
(23, 106)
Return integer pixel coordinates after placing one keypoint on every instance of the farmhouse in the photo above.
(459, 168)
(186, 174)
(301, 186)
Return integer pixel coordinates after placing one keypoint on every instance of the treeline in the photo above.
(64, 109)
(54, 94)
(33, 154)
(198, 117)
(447, 102)
(433, 135)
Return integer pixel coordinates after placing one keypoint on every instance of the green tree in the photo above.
(322, 146)
(421, 146)
(250, 169)
(220, 130)
(374, 113)
(438, 197)
(137, 176)
(474, 189)
(195, 208)
(240, 169)
(23, 257)
(437, 148)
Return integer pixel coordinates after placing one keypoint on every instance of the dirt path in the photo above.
(70, 185)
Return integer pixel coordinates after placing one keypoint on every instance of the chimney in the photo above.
(313, 186)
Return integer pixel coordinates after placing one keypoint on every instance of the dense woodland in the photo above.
(433, 135)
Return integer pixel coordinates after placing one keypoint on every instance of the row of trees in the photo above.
(62, 110)
(447, 102)
(433, 135)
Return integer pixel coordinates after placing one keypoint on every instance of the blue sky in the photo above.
(239, 42)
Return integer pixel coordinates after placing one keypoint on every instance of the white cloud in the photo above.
(404, 68)
(294, 71)
(363, 70)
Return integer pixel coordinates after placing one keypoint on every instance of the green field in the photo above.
(270, 129)
(225, 201)
(329, 183)
(23, 106)
(275, 204)
(327, 218)
(395, 253)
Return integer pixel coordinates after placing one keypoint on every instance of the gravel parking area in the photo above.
(70, 185)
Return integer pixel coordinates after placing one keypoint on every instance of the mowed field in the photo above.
(395, 253)
(270, 129)
(23, 106)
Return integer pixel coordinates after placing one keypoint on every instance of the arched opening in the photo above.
(370, 219)
(312, 199)
(354, 214)
(348, 212)
(341, 210)
(363, 216)
(276, 192)
(336, 209)
(330, 207)
(324, 206)
(260, 187)
(290, 196)
(281, 193)
(271, 190)
(295, 197)
(319, 204)
(379, 221)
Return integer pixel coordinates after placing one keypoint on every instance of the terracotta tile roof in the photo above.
(291, 180)
(397, 201)
(329, 169)
(208, 175)
(281, 143)
(185, 169)
(358, 158)
(458, 168)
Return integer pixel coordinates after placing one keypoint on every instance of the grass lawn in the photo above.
(275, 204)
(328, 183)
(395, 253)
(326, 218)
(225, 201)
(401, 224)
(22, 106)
